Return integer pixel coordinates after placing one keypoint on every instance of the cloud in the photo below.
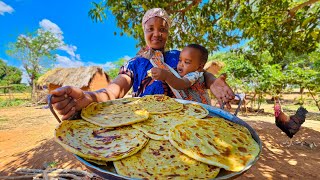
(106, 66)
(126, 57)
(4, 8)
(65, 62)
(47, 25)
(70, 49)
(74, 60)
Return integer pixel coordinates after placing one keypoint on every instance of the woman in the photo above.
(156, 23)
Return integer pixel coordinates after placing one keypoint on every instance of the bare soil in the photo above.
(26, 141)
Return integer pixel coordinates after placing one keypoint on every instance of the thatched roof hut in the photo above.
(214, 67)
(87, 78)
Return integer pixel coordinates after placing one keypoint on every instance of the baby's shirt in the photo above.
(197, 91)
(193, 76)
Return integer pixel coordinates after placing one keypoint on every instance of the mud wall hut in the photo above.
(87, 78)
(214, 67)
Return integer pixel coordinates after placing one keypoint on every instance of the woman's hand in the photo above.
(67, 100)
(222, 91)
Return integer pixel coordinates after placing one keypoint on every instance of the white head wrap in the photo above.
(156, 12)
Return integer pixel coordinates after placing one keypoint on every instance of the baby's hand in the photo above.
(159, 74)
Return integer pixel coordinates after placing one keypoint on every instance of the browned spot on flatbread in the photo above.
(161, 148)
(198, 136)
(242, 149)
(211, 144)
(109, 139)
(156, 153)
(240, 140)
(226, 152)
(183, 136)
(199, 151)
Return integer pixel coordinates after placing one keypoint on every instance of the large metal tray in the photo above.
(109, 172)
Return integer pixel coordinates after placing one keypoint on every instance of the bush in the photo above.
(21, 88)
(17, 88)
(10, 103)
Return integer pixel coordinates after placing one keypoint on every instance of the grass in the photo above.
(15, 96)
(14, 102)
(3, 120)
(309, 107)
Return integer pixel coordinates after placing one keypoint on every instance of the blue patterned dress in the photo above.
(137, 68)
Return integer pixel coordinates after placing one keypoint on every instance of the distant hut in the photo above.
(214, 67)
(87, 78)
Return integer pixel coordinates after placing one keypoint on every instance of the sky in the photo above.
(86, 42)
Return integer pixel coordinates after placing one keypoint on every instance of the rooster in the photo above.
(289, 124)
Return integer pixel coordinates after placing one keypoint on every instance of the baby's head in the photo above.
(192, 58)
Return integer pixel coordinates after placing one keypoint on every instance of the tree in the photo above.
(274, 25)
(188, 17)
(9, 74)
(280, 27)
(34, 50)
(251, 76)
(113, 72)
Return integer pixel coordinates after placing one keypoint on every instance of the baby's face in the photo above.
(189, 61)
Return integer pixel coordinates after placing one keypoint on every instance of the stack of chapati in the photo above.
(156, 137)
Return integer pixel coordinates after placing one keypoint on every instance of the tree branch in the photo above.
(293, 11)
(174, 3)
(194, 3)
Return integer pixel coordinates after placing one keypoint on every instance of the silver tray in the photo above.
(109, 172)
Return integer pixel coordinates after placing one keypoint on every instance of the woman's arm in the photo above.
(67, 100)
(116, 89)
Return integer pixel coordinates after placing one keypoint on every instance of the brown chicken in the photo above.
(289, 124)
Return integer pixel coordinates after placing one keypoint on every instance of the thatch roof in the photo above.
(220, 64)
(78, 77)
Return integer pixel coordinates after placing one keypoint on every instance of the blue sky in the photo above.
(87, 43)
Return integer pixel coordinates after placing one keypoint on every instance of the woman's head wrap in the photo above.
(156, 12)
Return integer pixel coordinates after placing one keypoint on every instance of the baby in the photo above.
(190, 67)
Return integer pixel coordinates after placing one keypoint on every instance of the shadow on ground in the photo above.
(36, 158)
(276, 160)
(280, 162)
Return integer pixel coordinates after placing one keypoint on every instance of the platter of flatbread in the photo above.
(158, 137)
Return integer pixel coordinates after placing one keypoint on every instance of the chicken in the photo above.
(289, 124)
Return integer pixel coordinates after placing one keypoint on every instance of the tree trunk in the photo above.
(253, 100)
(259, 101)
(301, 95)
(33, 91)
(315, 100)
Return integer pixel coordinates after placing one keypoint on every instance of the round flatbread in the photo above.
(194, 110)
(93, 142)
(158, 125)
(160, 160)
(124, 100)
(159, 104)
(216, 142)
(114, 113)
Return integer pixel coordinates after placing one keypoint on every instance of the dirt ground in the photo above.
(26, 141)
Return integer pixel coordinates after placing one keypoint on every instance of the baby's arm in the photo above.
(171, 79)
